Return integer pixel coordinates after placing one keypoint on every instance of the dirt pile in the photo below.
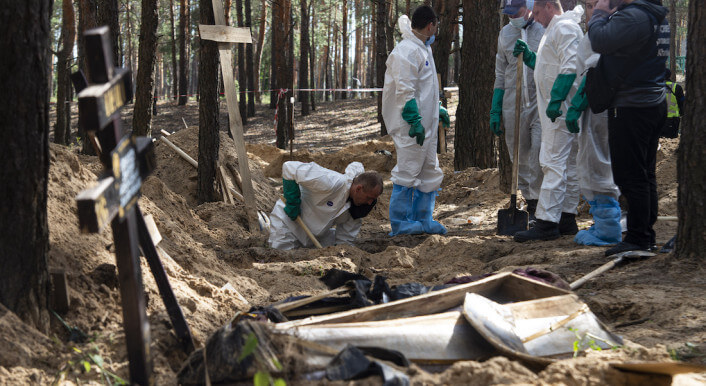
(374, 155)
(657, 303)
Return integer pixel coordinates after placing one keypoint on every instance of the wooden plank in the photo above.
(235, 121)
(60, 299)
(284, 307)
(97, 103)
(225, 34)
(176, 316)
(180, 152)
(495, 287)
(152, 229)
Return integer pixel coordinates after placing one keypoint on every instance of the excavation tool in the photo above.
(513, 220)
(618, 259)
(306, 228)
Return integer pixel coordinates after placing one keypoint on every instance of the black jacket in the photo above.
(636, 35)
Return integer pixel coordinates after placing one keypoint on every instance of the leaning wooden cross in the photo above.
(127, 161)
(226, 37)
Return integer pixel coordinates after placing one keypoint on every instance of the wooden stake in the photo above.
(180, 152)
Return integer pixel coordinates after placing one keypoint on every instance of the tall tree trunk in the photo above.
(107, 14)
(249, 63)
(344, 46)
(275, 55)
(448, 17)
(68, 36)
(358, 43)
(312, 56)
(258, 51)
(673, 38)
(183, 56)
(173, 38)
(691, 164)
(381, 55)
(304, 58)
(281, 12)
(474, 144)
(457, 54)
(242, 79)
(390, 24)
(88, 19)
(24, 156)
(209, 141)
(145, 70)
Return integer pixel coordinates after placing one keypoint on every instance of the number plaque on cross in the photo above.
(127, 161)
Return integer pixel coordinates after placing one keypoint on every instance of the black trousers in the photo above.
(633, 135)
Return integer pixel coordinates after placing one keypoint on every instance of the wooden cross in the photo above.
(127, 160)
(226, 37)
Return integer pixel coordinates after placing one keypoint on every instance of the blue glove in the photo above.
(560, 89)
(410, 113)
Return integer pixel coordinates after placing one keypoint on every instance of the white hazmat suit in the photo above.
(593, 160)
(324, 205)
(530, 173)
(411, 74)
(557, 55)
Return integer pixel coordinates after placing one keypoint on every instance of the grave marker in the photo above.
(226, 36)
(127, 161)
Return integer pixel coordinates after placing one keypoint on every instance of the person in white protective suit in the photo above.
(521, 26)
(411, 111)
(593, 160)
(331, 204)
(555, 76)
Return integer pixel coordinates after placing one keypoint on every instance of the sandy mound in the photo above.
(656, 303)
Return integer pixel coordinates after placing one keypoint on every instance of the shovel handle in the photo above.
(306, 228)
(605, 267)
(518, 107)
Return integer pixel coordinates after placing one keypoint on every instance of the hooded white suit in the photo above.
(593, 161)
(324, 196)
(411, 74)
(530, 173)
(557, 55)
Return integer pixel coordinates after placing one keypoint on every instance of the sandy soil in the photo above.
(657, 305)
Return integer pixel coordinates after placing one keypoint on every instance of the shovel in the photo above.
(619, 259)
(306, 228)
(513, 220)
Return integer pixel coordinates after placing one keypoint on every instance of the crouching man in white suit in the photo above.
(331, 204)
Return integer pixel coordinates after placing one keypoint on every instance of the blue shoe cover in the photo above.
(606, 229)
(401, 215)
(423, 209)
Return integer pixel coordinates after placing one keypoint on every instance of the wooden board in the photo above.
(235, 121)
(225, 34)
(496, 287)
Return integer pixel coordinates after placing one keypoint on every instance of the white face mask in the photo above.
(518, 22)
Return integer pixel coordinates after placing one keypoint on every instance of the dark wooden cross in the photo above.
(127, 161)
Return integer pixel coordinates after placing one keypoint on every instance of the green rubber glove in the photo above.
(528, 56)
(579, 103)
(560, 89)
(444, 116)
(496, 111)
(410, 113)
(292, 195)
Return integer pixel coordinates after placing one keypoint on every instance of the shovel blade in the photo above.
(511, 221)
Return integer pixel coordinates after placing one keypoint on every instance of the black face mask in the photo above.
(360, 211)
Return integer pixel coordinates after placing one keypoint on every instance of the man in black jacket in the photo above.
(634, 34)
